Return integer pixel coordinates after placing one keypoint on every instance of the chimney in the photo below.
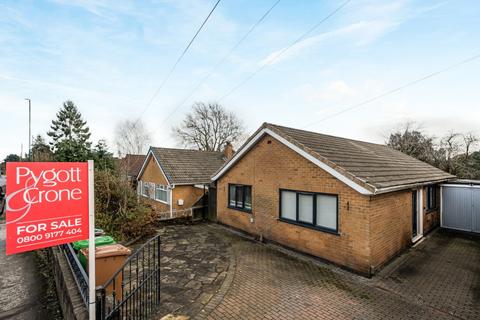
(228, 151)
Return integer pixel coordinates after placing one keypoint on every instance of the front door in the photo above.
(417, 214)
(414, 214)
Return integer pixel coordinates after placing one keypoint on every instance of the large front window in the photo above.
(316, 210)
(240, 197)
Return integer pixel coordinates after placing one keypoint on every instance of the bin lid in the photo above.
(109, 250)
(99, 241)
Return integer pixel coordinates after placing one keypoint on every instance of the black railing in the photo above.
(133, 292)
(79, 274)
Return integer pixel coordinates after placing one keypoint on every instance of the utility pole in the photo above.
(29, 129)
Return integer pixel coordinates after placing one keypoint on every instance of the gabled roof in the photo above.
(367, 167)
(132, 163)
(184, 166)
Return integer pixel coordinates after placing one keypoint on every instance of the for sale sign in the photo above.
(47, 204)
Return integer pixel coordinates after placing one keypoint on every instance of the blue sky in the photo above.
(109, 57)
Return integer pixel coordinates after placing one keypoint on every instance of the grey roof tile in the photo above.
(376, 165)
(184, 166)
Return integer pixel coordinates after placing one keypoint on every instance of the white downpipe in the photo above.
(171, 201)
(420, 202)
(441, 205)
(91, 241)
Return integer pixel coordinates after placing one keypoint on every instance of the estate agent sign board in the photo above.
(47, 204)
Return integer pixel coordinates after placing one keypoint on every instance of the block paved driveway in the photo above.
(440, 279)
(443, 272)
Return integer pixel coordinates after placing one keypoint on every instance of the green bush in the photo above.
(117, 209)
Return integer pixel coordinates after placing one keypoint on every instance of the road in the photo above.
(21, 286)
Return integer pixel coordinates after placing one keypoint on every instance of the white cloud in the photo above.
(359, 33)
(369, 22)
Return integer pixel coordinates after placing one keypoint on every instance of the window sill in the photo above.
(334, 232)
(240, 209)
(164, 202)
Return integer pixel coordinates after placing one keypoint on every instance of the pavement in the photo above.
(439, 279)
(21, 286)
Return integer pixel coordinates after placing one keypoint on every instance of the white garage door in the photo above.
(461, 207)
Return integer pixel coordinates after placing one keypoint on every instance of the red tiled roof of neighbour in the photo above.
(133, 163)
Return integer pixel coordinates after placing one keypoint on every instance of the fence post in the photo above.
(100, 302)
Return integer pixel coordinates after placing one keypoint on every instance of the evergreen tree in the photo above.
(70, 135)
(41, 150)
(12, 158)
(102, 157)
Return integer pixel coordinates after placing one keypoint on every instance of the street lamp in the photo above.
(29, 129)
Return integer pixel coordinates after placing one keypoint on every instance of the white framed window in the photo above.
(145, 189)
(161, 193)
(310, 209)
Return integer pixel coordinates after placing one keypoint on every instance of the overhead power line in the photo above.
(220, 62)
(280, 53)
(397, 89)
(169, 74)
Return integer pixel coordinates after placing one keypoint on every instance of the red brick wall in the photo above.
(390, 225)
(270, 166)
(189, 194)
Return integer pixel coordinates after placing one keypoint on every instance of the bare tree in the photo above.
(411, 140)
(451, 145)
(209, 127)
(131, 137)
(470, 140)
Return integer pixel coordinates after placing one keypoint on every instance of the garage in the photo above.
(461, 206)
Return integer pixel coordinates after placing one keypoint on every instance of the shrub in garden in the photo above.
(117, 209)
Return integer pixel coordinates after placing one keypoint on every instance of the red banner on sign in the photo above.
(47, 204)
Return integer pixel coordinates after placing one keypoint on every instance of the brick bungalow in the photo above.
(353, 203)
(175, 180)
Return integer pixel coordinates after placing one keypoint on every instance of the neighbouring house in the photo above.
(353, 203)
(130, 166)
(175, 180)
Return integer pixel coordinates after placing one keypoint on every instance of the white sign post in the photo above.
(91, 241)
